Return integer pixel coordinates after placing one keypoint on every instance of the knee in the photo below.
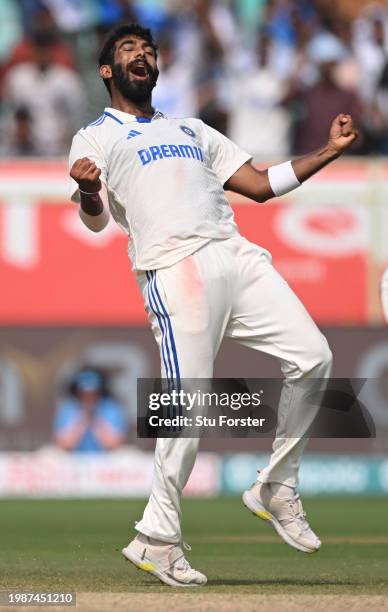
(319, 358)
(313, 359)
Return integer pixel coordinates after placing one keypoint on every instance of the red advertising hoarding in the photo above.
(53, 270)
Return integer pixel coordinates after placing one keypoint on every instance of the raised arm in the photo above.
(94, 210)
(261, 185)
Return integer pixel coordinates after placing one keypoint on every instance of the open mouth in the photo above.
(139, 71)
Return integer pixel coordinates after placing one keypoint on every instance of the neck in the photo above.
(126, 106)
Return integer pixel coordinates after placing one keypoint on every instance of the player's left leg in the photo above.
(267, 316)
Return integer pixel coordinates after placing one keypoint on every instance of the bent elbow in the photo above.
(95, 223)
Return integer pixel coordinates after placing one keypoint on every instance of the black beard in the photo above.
(134, 91)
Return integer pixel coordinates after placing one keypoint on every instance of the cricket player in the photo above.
(163, 180)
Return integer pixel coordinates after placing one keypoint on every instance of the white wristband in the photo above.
(88, 192)
(282, 178)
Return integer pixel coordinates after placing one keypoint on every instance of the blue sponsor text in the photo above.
(164, 151)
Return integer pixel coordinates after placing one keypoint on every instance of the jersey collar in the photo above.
(122, 117)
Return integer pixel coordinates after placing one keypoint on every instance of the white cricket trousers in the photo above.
(228, 288)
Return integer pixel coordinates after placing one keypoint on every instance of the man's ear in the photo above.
(106, 71)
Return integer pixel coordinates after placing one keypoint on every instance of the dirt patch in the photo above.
(200, 601)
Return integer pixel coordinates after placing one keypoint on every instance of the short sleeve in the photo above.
(225, 156)
(65, 417)
(84, 146)
(112, 414)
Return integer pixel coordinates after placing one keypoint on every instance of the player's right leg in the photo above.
(188, 316)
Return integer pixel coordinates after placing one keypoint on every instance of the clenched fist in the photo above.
(342, 133)
(87, 175)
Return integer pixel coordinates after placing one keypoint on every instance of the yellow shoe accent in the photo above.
(264, 515)
(147, 566)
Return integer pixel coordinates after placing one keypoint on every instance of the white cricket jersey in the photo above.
(165, 182)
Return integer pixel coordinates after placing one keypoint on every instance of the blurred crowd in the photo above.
(89, 418)
(271, 74)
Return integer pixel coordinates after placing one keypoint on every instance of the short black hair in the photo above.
(107, 52)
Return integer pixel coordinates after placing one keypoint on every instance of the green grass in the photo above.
(75, 545)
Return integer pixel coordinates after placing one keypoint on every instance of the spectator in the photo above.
(371, 45)
(52, 95)
(175, 93)
(258, 121)
(370, 40)
(88, 46)
(319, 103)
(90, 420)
(286, 22)
(18, 140)
(376, 119)
(209, 45)
(41, 21)
(206, 32)
(250, 15)
(10, 26)
(70, 15)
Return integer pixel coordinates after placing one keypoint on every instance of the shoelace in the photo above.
(296, 508)
(182, 563)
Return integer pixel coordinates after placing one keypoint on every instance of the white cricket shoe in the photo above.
(165, 561)
(285, 514)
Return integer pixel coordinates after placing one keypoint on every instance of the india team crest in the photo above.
(187, 130)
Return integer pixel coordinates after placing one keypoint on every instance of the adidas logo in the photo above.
(132, 134)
